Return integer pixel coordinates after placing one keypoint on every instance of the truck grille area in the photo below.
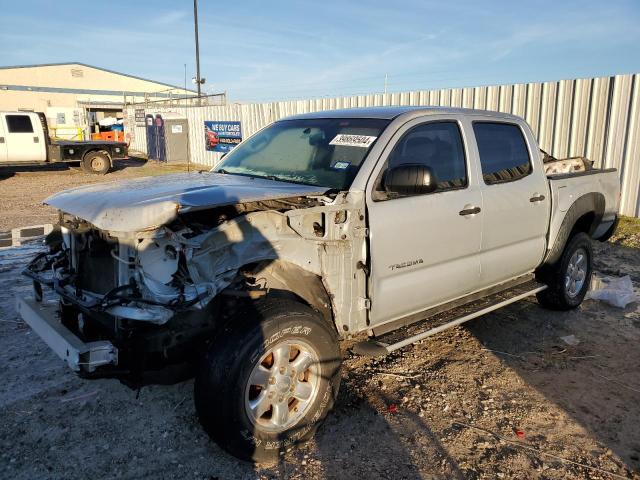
(96, 269)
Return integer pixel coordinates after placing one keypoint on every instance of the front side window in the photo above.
(325, 152)
(19, 124)
(504, 156)
(438, 145)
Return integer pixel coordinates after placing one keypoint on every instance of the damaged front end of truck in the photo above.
(132, 303)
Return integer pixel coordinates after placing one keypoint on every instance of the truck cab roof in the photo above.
(393, 112)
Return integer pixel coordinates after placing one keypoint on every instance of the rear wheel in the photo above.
(96, 162)
(269, 379)
(569, 278)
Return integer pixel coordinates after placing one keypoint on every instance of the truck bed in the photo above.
(71, 143)
(566, 188)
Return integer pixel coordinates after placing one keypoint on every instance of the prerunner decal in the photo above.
(343, 139)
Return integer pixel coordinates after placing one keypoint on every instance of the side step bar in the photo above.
(448, 319)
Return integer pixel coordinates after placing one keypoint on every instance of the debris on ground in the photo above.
(570, 340)
(617, 292)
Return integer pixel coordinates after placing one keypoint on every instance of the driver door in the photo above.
(425, 249)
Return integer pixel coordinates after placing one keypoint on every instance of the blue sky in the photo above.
(259, 50)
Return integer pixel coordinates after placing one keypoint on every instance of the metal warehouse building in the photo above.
(75, 95)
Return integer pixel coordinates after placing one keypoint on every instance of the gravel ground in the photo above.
(501, 397)
(22, 189)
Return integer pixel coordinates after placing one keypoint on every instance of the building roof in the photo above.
(36, 65)
(391, 112)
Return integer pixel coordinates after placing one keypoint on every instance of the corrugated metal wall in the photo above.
(598, 118)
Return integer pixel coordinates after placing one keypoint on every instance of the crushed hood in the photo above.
(146, 203)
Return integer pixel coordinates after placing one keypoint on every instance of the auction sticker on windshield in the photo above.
(341, 165)
(347, 140)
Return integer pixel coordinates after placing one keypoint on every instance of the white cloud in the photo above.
(169, 18)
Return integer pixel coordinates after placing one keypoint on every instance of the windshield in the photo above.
(321, 152)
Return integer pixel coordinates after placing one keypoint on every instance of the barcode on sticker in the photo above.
(346, 140)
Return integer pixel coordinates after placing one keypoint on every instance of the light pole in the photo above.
(199, 80)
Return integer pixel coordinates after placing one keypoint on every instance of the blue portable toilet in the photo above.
(152, 150)
(161, 145)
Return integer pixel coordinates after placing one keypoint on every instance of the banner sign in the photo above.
(222, 136)
(139, 117)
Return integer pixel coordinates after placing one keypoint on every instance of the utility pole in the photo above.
(386, 79)
(195, 20)
(185, 96)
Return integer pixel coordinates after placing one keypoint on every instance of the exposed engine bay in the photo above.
(176, 283)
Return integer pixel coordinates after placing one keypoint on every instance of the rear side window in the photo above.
(504, 156)
(437, 145)
(19, 124)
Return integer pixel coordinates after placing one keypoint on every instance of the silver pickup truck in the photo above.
(389, 224)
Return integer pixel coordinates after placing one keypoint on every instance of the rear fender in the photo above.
(585, 214)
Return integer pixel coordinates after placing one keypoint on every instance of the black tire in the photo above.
(97, 163)
(559, 296)
(223, 389)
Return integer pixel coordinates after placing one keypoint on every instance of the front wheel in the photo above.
(269, 379)
(569, 278)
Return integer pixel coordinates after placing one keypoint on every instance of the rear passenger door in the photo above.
(424, 248)
(515, 211)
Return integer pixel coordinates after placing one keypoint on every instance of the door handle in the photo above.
(1, 139)
(536, 198)
(36, 140)
(470, 211)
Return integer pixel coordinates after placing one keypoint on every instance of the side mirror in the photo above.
(410, 179)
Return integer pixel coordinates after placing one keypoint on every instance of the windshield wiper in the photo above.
(250, 175)
(285, 180)
(274, 178)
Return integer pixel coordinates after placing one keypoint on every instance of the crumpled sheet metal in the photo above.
(219, 253)
(148, 203)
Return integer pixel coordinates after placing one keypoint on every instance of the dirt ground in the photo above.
(22, 189)
(501, 397)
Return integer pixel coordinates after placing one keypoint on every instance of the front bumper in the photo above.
(111, 304)
(44, 319)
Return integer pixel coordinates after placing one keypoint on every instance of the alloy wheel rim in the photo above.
(576, 273)
(282, 385)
